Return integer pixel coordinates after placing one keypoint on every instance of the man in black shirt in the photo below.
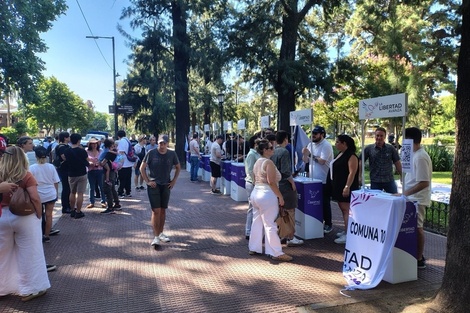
(77, 159)
(64, 138)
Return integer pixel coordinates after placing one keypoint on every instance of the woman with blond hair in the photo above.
(22, 261)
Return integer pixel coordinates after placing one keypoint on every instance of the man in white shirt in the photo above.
(194, 157)
(418, 185)
(125, 173)
(319, 153)
(215, 159)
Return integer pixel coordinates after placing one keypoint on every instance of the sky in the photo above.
(76, 60)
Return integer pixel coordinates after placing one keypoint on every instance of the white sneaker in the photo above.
(164, 237)
(156, 241)
(341, 240)
(341, 233)
(294, 242)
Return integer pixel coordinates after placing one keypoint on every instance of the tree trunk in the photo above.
(454, 295)
(181, 63)
(285, 85)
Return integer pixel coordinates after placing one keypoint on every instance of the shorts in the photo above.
(215, 170)
(159, 196)
(51, 201)
(78, 184)
(421, 213)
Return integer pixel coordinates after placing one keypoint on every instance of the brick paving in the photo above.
(106, 264)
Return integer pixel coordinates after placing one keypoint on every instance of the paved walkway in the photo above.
(106, 264)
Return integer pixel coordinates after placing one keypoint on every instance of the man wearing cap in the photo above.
(215, 159)
(382, 157)
(319, 153)
(160, 162)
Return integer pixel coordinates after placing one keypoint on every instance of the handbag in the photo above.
(285, 223)
(20, 202)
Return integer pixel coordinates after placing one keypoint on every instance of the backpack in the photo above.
(131, 157)
(56, 158)
(141, 154)
(117, 163)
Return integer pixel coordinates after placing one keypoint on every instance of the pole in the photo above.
(114, 88)
(221, 117)
(114, 81)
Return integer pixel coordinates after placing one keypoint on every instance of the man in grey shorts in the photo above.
(160, 162)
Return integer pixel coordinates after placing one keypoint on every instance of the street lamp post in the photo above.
(114, 82)
(221, 98)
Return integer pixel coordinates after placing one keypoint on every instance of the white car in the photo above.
(84, 141)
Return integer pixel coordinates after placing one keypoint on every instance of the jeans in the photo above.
(64, 196)
(110, 190)
(249, 213)
(390, 187)
(95, 178)
(194, 161)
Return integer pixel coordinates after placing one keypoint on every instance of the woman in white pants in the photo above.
(22, 263)
(266, 199)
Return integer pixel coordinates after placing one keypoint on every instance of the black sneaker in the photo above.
(108, 211)
(79, 215)
(66, 211)
(73, 213)
(46, 239)
(117, 207)
(422, 263)
(142, 188)
(50, 267)
(54, 232)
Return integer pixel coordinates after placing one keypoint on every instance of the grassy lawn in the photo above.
(442, 177)
(437, 177)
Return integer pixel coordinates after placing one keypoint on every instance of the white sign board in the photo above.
(387, 106)
(241, 124)
(215, 126)
(228, 125)
(207, 127)
(301, 117)
(265, 121)
(407, 156)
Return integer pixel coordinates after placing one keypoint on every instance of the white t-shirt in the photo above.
(324, 150)
(46, 176)
(123, 146)
(422, 171)
(216, 150)
(194, 147)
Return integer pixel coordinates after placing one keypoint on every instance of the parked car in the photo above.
(37, 142)
(84, 141)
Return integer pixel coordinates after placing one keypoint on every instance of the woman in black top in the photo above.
(344, 177)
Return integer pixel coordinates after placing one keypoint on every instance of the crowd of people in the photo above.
(104, 166)
(271, 188)
(107, 167)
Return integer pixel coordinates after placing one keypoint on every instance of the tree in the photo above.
(58, 108)
(21, 23)
(454, 294)
(297, 65)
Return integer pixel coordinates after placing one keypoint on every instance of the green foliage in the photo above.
(59, 108)
(11, 133)
(444, 140)
(21, 23)
(441, 158)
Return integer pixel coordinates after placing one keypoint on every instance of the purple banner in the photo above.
(238, 174)
(188, 155)
(207, 162)
(407, 237)
(310, 199)
(226, 167)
